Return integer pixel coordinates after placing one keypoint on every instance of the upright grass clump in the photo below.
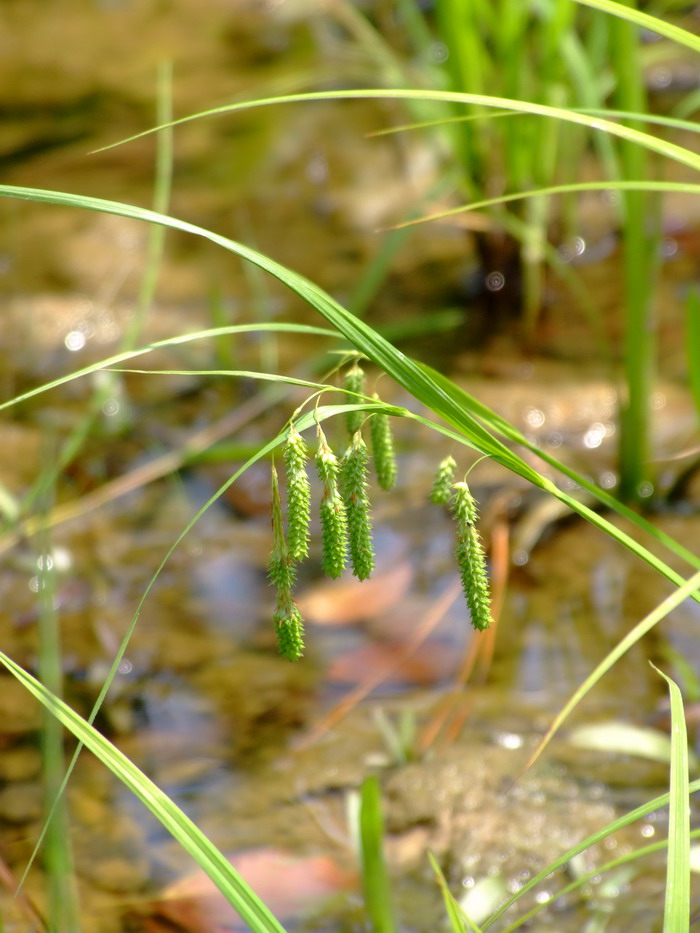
(353, 484)
(470, 558)
(287, 619)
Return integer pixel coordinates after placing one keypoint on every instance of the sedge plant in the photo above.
(451, 413)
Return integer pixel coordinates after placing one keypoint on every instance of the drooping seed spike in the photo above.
(298, 495)
(475, 582)
(280, 568)
(353, 485)
(289, 627)
(354, 385)
(463, 505)
(383, 449)
(442, 484)
(334, 524)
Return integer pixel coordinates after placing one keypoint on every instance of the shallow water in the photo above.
(263, 754)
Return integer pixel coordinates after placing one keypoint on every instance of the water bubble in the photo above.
(608, 480)
(75, 340)
(669, 247)
(125, 666)
(647, 831)
(535, 417)
(509, 740)
(45, 562)
(660, 78)
(438, 53)
(645, 489)
(495, 281)
(555, 439)
(520, 558)
(317, 168)
(111, 408)
(594, 436)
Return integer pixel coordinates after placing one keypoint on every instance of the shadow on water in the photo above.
(263, 754)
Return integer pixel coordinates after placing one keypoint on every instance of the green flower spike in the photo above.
(353, 484)
(470, 558)
(298, 495)
(290, 630)
(442, 484)
(383, 449)
(354, 385)
(280, 570)
(280, 567)
(334, 523)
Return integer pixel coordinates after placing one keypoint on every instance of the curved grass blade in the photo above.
(436, 392)
(689, 588)
(225, 877)
(572, 188)
(498, 424)
(585, 878)
(677, 900)
(599, 836)
(375, 879)
(646, 140)
(113, 361)
(645, 21)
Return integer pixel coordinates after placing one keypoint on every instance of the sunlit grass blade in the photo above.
(454, 914)
(375, 879)
(692, 329)
(439, 394)
(207, 856)
(689, 588)
(636, 855)
(667, 187)
(500, 426)
(654, 144)
(677, 900)
(645, 21)
(599, 836)
(112, 362)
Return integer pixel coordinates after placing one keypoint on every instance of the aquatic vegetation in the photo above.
(470, 558)
(345, 507)
(383, 449)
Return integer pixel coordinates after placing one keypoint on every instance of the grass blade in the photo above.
(677, 901)
(375, 880)
(221, 872)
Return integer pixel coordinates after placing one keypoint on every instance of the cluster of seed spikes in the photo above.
(344, 511)
(469, 551)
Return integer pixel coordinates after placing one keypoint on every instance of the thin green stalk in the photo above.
(375, 879)
(63, 911)
(640, 250)
(677, 900)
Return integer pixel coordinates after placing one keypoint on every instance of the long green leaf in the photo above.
(438, 394)
(595, 838)
(219, 869)
(646, 140)
(677, 900)
(645, 21)
(375, 879)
